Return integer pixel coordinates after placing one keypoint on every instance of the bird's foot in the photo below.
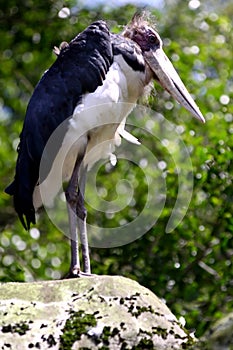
(75, 272)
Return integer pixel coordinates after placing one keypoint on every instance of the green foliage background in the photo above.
(191, 267)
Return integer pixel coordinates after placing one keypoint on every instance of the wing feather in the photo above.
(80, 67)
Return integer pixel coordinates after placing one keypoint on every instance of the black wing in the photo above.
(130, 51)
(80, 67)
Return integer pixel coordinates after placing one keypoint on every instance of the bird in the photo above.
(84, 99)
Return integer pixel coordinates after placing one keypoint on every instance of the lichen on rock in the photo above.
(99, 312)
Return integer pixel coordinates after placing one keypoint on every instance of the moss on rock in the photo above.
(99, 312)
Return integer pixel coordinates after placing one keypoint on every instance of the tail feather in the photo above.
(22, 188)
(23, 203)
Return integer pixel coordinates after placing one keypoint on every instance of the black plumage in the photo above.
(80, 67)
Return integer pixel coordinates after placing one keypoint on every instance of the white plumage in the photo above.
(100, 118)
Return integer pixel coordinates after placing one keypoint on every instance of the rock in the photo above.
(99, 312)
(219, 336)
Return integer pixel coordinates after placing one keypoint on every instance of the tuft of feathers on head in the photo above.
(139, 20)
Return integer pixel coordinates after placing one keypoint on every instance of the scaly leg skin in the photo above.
(75, 262)
(77, 216)
(71, 198)
(81, 218)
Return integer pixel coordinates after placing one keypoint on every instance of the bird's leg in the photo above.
(75, 262)
(81, 217)
(72, 198)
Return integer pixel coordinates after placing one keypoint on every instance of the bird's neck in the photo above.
(136, 80)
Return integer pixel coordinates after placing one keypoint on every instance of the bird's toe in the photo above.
(75, 272)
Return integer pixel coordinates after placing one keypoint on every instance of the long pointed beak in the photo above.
(170, 80)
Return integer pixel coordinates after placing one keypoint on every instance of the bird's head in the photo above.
(140, 31)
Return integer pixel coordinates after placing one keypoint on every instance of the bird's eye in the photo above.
(153, 39)
(135, 32)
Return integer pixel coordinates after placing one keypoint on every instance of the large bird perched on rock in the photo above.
(84, 99)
